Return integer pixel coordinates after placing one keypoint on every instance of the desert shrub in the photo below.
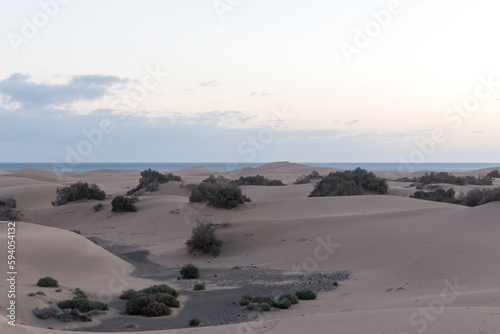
(244, 302)
(58, 290)
(305, 295)
(77, 192)
(265, 307)
(82, 304)
(477, 197)
(8, 210)
(98, 207)
(40, 293)
(444, 177)
(162, 288)
(123, 204)
(194, 322)
(494, 174)
(247, 297)
(47, 282)
(167, 299)
(151, 179)
(303, 179)
(438, 195)
(199, 286)
(348, 183)
(292, 298)
(285, 303)
(263, 299)
(79, 293)
(146, 305)
(258, 180)
(32, 294)
(128, 294)
(190, 271)
(218, 192)
(46, 313)
(250, 307)
(203, 239)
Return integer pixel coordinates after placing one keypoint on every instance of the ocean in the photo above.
(222, 166)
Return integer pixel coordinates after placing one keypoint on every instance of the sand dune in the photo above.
(402, 252)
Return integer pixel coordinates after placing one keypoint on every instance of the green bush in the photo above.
(203, 239)
(98, 207)
(493, 174)
(82, 304)
(47, 282)
(194, 322)
(151, 179)
(258, 180)
(439, 195)
(305, 295)
(167, 299)
(199, 287)
(218, 192)
(190, 271)
(146, 305)
(265, 307)
(477, 197)
(40, 293)
(303, 179)
(162, 288)
(32, 294)
(244, 302)
(283, 304)
(292, 298)
(8, 210)
(349, 183)
(77, 192)
(444, 177)
(123, 204)
(263, 299)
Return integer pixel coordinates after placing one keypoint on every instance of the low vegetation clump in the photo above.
(77, 192)
(65, 315)
(203, 240)
(447, 178)
(305, 295)
(472, 198)
(82, 304)
(494, 174)
(266, 303)
(218, 192)
(154, 301)
(190, 271)
(47, 282)
(438, 195)
(98, 207)
(8, 210)
(477, 197)
(146, 305)
(150, 181)
(194, 322)
(123, 204)
(158, 289)
(349, 183)
(258, 180)
(199, 287)
(303, 179)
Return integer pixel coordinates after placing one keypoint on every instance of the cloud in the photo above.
(352, 122)
(211, 83)
(19, 89)
(255, 94)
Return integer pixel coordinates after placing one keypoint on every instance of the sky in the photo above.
(410, 81)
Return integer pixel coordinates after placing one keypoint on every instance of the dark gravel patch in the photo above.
(216, 307)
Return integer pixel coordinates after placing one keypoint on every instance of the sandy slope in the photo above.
(402, 252)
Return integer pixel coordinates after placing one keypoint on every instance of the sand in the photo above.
(416, 266)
